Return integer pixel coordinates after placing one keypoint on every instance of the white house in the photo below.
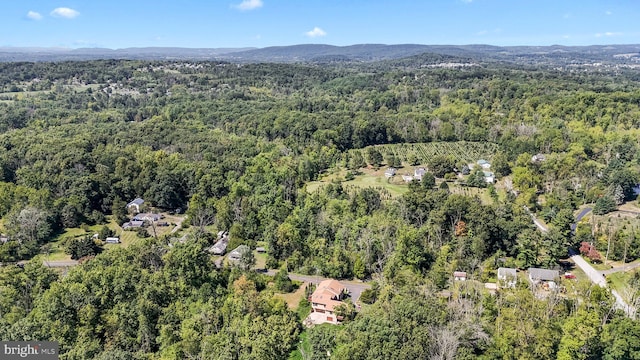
(484, 164)
(135, 205)
(419, 173)
(407, 178)
(489, 177)
(390, 172)
(112, 240)
(459, 276)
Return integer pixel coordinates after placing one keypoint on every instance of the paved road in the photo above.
(60, 263)
(355, 287)
(582, 214)
(594, 275)
(535, 220)
(624, 267)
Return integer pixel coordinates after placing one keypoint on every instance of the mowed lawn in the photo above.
(395, 186)
(369, 178)
(126, 237)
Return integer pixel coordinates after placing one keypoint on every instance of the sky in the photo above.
(261, 23)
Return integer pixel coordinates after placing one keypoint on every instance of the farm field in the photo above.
(461, 151)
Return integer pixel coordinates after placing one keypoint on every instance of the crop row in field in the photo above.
(461, 151)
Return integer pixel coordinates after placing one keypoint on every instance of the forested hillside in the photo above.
(238, 146)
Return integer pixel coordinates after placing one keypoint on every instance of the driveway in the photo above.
(355, 287)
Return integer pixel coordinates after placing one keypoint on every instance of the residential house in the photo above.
(507, 277)
(419, 173)
(489, 177)
(325, 299)
(544, 276)
(132, 225)
(407, 178)
(147, 217)
(484, 164)
(112, 240)
(3, 238)
(135, 205)
(390, 172)
(261, 249)
(220, 247)
(236, 254)
(459, 276)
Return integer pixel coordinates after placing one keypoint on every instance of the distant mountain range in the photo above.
(556, 54)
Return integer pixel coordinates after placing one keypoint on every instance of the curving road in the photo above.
(594, 275)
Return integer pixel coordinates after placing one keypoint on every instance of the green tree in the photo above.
(374, 157)
(440, 165)
(604, 205)
(580, 337)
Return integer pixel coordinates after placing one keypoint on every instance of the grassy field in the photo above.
(619, 281)
(293, 298)
(261, 260)
(126, 237)
(369, 178)
(393, 187)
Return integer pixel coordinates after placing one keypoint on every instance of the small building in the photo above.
(407, 178)
(538, 158)
(236, 254)
(489, 177)
(419, 173)
(507, 277)
(112, 240)
(4, 238)
(135, 205)
(537, 276)
(220, 247)
(151, 217)
(459, 276)
(484, 164)
(95, 236)
(132, 225)
(491, 287)
(390, 172)
(261, 250)
(325, 299)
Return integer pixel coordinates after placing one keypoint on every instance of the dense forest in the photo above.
(238, 147)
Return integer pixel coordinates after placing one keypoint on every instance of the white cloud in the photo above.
(249, 5)
(609, 33)
(34, 15)
(64, 13)
(467, 1)
(608, 12)
(486, 32)
(316, 32)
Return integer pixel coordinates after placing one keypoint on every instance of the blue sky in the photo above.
(261, 23)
